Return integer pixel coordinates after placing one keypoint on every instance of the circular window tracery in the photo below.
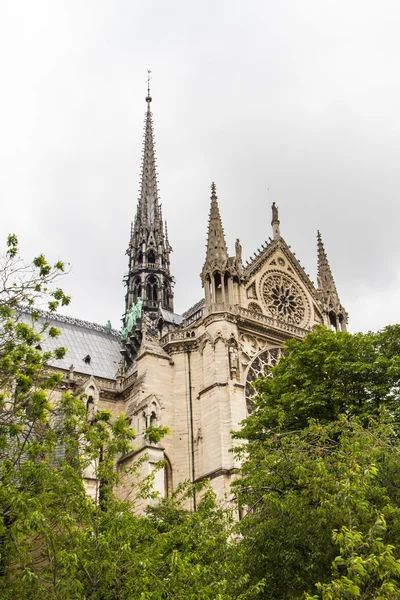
(260, 366)
(284, 298)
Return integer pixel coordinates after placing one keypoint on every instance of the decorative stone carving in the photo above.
(283, 298)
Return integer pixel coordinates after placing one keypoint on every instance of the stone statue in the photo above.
(139, 307)
(130, 320)
(275, 216)
(238, 250)
(233, 361)
(132, 315)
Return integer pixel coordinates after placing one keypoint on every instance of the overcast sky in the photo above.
(300, 98)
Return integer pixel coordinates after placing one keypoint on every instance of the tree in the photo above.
(327, 374)
(322, 455)
(372, 572)
(56, 542)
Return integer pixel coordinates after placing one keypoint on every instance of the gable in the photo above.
(278, 287)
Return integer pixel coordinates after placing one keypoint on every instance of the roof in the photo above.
(259, 258)
(170, 317)
(193, 309)
(83, 339)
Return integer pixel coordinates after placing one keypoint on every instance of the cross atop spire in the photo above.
(148, 97)
(217, 252)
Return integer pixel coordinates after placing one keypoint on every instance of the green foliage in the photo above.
(372, 572)
(325, 375)
(56, 540)
(322, 456)
(155, 434)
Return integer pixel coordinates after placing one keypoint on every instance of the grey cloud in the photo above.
(300, 98)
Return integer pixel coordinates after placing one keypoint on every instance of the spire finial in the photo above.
(213, 190)
(148, 98)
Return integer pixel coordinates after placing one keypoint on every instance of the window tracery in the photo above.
(284, 298)
(260, 366)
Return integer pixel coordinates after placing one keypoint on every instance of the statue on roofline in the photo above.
(133, 314)
(130, 320)
(238, 251)
(275, 216)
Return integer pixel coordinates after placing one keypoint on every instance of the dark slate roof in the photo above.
(193, 309)
(83, 339)
(170, 317)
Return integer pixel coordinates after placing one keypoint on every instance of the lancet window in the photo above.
(152, 289)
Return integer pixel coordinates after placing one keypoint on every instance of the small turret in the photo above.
(327, 290)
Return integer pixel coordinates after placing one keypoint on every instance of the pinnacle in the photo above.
(217, 252)
(326, 283)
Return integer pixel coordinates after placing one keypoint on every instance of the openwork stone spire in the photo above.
(149, 275)
(217, 252)
(149, 210)
(327, 288)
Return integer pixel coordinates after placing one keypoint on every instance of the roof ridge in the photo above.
(71, 320)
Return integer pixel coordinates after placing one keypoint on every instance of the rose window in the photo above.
(260, 366)
(284, 299)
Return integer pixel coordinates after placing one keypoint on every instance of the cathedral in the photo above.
(193, 372)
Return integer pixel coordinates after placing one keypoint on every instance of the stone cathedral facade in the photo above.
(193, 372)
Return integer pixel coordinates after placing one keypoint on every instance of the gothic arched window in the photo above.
(152, 289)
(260, 366)
(137, 289)
(151, 257)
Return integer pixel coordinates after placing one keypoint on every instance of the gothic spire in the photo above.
(327, 288)
(149, 276)
(149, 208)
(217, 252)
